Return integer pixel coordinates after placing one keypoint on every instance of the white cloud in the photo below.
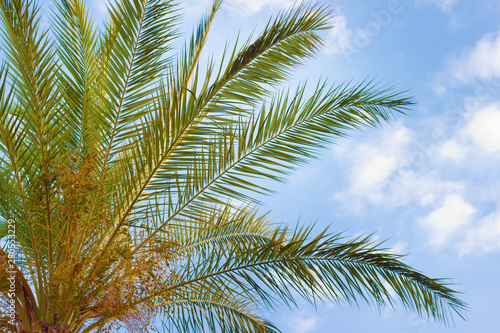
(350, 41)
(431, 174)
(374, 164)
(445, 5)
(304, 176)
(480, 62)
(452, 150)
(470, 136)
(376, 172)
(484, 128)
(391, 171)
(340, 36)
(254, 6)
(443, 223)
(476, 136)
(484, 236)
(423, 188)
(399, 248)
(304, 322)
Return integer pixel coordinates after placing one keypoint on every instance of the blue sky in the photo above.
(429, 181)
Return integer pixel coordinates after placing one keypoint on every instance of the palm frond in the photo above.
(133, 56)
(283, 135)
(317, 268)
(213, 312)
(79, 46)
(192, 120)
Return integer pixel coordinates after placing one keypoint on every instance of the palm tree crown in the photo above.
(130, 171)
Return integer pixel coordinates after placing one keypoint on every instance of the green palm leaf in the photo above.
(317, 268)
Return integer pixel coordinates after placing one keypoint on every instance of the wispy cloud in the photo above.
(349, 41)
(484, 128)
(399, 248)
(248, 7)
(390, 171)
(479, 62)
(452, 150)
(483, 236)
(456, 223)
(445, 221)
(444, 181)
(341, 37)
(445, 5)
(304, 322)
(304, 176)
(475, 138)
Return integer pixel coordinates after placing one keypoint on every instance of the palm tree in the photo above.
(130, 173)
